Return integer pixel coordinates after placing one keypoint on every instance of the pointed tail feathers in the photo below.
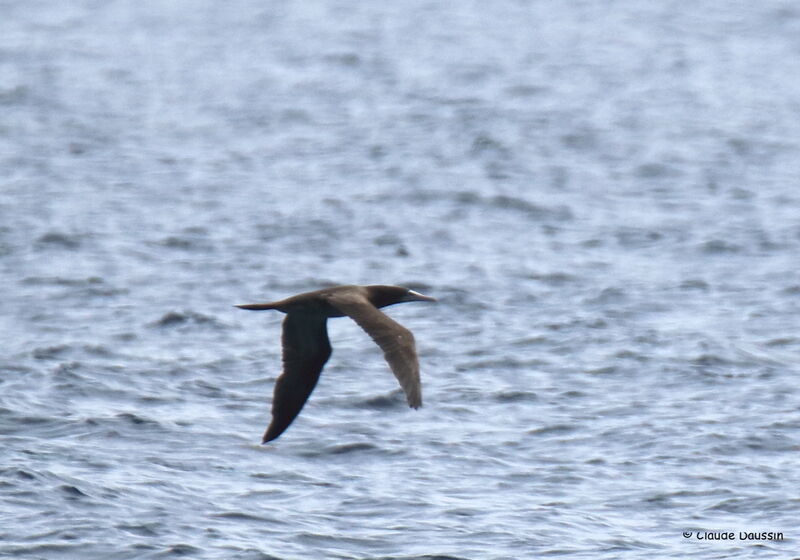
(257, 306)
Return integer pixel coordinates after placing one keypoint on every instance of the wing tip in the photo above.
(271, 434)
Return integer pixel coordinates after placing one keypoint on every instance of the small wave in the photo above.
(89, 286)
(608, 295)
(17, 95)
(350, 448)
(553, 429)
(793, 290)
(141, 530)
(498, 202)
(60, 281)
(602, 370)
(251, 554)
(536, 340)
(394, 399)
(392, 241)
(35, 420)
(205, 388)
(515, 396)
(184, 550)
(241, 516)
(501, 364)
(465, 300)
(502, 202)
(186, 243)
(68, 371)
(342, 449)
(424, 557)
(55, 239)
(719, 247)
(98, 350)
(72, 491)
(554, 278)
(46, 550)
(669, 499)
(135, 419)
(740, 505)
(637, 237)
(656, 170)
(485, 145)
(581, 139)
(16, 472)
(782, 341)
(183, 318)
(694, 284)
(51, 352)
(286, 477)
(709, 360)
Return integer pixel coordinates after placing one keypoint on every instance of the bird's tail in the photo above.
(258, 306)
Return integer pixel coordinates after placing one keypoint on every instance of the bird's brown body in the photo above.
(306, 347)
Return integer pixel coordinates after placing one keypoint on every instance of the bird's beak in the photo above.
(416, 296)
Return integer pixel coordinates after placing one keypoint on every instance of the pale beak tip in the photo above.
(416, 296)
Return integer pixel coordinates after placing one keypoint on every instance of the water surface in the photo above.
(602, 196)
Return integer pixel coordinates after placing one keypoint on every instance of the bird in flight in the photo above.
(306, 347)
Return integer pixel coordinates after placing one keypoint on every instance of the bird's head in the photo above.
(381, 296)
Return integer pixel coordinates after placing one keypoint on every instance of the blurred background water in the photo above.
(603, 196)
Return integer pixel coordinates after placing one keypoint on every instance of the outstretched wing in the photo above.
(306, 348)
(395, 340)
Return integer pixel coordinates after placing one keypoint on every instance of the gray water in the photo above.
(602, 195)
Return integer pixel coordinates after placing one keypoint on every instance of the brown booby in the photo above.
(306, 347)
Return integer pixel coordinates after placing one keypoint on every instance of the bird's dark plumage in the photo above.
(306, 347)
